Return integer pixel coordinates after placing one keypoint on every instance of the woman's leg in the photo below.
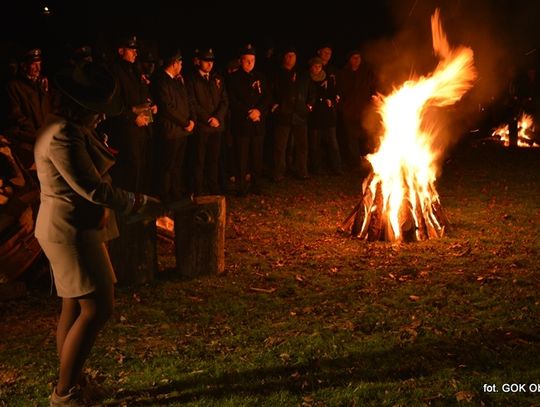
(68, 315)
(95, 310)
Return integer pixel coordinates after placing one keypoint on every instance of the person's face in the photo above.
(325, 54)
(354, 61)
(247, 63)
(178, 66)
(128, 54)
(206, 66)
(289, 60)
(315, 69)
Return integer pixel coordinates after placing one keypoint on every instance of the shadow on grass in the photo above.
(488, 352)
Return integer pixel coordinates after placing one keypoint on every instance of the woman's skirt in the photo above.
(80, 268)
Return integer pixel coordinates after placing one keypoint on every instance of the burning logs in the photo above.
(418, 219)
(399, 200)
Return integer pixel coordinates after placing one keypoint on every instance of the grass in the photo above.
(343, 322)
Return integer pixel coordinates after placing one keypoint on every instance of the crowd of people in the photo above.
(210, 132)
(133, 134)
(117, 141)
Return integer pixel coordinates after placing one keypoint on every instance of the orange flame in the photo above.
(165, 223)
(405, 163)
(525, 128)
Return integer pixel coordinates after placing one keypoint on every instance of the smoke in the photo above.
(501, 33)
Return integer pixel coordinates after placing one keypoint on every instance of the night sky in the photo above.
(498, 30)
(224, 25)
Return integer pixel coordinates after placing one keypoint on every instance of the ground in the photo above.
(305, 316)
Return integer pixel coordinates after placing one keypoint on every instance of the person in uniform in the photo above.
(210, 103)
(131, 132)
(293, 98)
(249, 100)
(29, 104)
(174, 124)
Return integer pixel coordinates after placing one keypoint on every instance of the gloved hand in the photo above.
(145, 207)
(151, 207)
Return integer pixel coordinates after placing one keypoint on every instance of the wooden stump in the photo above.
(133, 254)
(200, 237)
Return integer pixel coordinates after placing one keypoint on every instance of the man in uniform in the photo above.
(131, 132)
(210, 103)
(174, 124)
(133, 254)
(249, 99)
(29, 104)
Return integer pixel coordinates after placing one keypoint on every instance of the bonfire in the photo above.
(525, 132)
(399, 200)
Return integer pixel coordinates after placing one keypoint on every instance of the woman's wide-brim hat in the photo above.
(91, 86)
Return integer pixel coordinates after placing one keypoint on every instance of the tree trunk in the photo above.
(200, 237)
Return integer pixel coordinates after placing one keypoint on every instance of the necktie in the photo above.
(206, 76)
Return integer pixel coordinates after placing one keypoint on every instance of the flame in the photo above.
(405, 164)
(525, 129)
(165, 223)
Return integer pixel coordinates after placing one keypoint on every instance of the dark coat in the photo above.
(29, 105)
(175, 106)
(209, 100)
(293, 92)
(247, 91)
(133, 92)
(134, 164)
(324, 116)
(355, 89)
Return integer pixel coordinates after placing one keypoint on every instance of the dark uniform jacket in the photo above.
(209, 100)
(175, 106)
(247, 91)
(293, 92)
(133, 92)
(29, 105)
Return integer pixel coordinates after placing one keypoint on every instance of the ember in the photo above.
(165, 227)
(399, 199)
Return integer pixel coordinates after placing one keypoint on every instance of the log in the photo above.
(357, 215)
(200, 237)
(133, 254)
(18, 246)
(376, 224)
(417, 220)
(406, 221)
(422, 230)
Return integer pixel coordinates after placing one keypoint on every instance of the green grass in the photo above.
(348, 323)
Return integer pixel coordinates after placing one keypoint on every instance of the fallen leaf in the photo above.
(464, 396)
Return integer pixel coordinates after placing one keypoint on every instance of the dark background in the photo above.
(394, 35)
